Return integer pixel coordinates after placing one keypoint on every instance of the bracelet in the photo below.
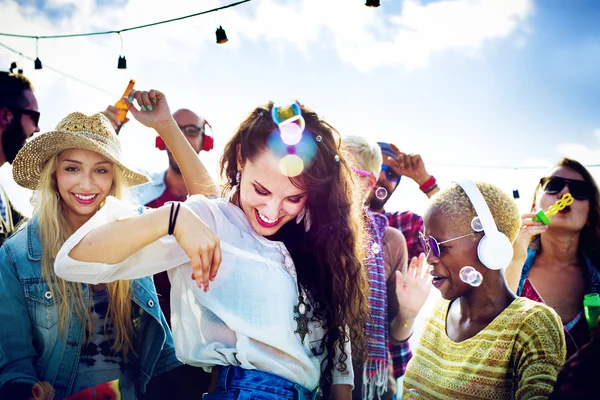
(430, 189)
(173, 217)
(428, 184)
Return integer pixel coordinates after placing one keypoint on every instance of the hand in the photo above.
(200, 244)
(529, 229)
(409, 165)
(112, 113)
(412, 288)
(154, 110)
(42, 391)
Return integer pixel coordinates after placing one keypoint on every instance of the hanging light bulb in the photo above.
(122, 63)
(37, 63)
(221, 35)
(372, 3)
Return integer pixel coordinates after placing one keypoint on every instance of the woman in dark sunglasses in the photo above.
(558, 264)
(481, 342)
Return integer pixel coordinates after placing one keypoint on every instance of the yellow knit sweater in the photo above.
(517, 356)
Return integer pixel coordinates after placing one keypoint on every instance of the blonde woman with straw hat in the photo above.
(59, 337)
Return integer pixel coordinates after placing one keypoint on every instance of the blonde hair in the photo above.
(366, 153)
(54, 231)
(455, 205)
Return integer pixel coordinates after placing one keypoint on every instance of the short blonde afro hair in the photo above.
(454, 204)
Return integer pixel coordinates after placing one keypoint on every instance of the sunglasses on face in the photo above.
(35, 115)
(431, 244)
(192, 130)
(390, 175)
(581, 190)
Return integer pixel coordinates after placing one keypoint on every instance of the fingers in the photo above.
(396, 150)
(532, 230)
(205, 263)
(155, 96)
(417, 267)
(216, 261)
(196, 261)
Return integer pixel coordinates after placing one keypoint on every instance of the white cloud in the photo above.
(367, 39)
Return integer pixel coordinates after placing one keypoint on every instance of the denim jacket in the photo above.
(31, 348)
(144, 194)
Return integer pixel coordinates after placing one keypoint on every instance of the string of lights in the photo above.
(221, 36)
(74, 78)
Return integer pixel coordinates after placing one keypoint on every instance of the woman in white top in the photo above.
(291, 291)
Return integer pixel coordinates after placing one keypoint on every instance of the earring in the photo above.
(304, 215)
(238, 177)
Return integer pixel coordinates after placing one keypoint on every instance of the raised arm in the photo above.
(412, 166)
(155, 113)
(529, 229)
(135, 246)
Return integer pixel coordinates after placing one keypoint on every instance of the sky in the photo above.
(467, 84)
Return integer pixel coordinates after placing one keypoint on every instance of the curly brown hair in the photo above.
(589, 240)
(330, 258)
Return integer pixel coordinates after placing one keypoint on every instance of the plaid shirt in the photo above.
(410, 224)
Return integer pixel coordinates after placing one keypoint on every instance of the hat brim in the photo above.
(31, 159)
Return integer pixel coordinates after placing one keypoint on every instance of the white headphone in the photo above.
(495, 250)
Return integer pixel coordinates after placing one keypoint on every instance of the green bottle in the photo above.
(591, 307)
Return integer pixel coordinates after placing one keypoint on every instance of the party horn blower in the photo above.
(564, 201)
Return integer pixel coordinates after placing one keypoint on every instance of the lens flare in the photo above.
(289, 112)
(381, 193)
(291, 133)
(291, 165)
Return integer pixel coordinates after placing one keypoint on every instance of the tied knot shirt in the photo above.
(517, 356)
(247, 316)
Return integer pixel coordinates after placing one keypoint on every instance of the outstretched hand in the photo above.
(153, 110)
(413, 287)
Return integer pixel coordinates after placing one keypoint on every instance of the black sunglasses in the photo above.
(390, 175)
(581, 190)
(35, 115)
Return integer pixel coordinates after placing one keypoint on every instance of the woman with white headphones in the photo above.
(482, 342)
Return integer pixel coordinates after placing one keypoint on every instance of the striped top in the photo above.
(517, 356)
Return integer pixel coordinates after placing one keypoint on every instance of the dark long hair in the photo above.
(330, 258)
(589, 239)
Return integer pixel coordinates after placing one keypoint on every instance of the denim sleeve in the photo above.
(16, 340)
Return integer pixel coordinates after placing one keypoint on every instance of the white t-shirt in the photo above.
(247, 316)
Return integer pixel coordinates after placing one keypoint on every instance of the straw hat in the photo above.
(76, 131)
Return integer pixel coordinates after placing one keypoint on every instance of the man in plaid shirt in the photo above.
(395, 165)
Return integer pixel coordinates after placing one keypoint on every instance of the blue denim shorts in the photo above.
(236, 383)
